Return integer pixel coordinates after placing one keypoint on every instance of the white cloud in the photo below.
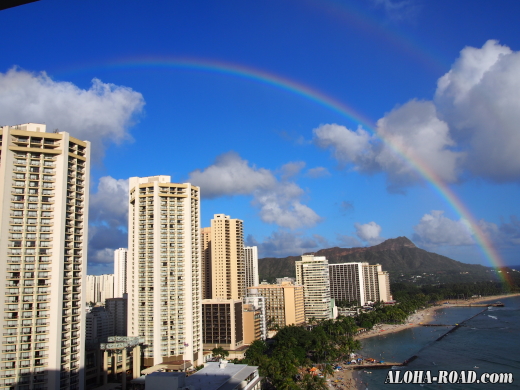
(291, 169)
(480, 99)
(105, 256)
(110, 203)
(369, 232)
(435, 229)
(416, 131)
(101, 114)
(349, 147)
(283, 243)
(506, 234)
(278, 200)
(231, 175)
(470, 127)
(281, 205)
(108, 220)
(318, 172)
(413, 128)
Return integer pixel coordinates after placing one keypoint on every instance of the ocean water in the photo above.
(489, 342)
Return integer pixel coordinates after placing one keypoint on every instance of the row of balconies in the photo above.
(31, 221)
(30, 229)
(21, 179)
(21, 185)
(18, 252)
(31, 206)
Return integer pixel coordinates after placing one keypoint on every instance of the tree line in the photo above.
(282, 360)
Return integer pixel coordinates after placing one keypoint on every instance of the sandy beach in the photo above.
(347, 378)
(425, 316)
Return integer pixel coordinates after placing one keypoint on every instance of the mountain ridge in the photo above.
(403, 260)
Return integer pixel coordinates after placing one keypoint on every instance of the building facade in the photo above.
(222, 323)
(205, 243)
(120, 264)
(313, 273)
(377, 283)
(284, 303)
(252, 323)
(43, 254)
(118, 309)
(347, 283)
(257, 303)
(227, 258)
(164, 269)
(251, 266)
(99, 288)
(99, 323)
(384, 286)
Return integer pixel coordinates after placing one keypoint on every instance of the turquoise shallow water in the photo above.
(489, 341)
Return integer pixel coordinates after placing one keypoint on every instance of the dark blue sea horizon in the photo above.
(489, 342)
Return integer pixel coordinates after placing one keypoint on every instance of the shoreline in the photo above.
(425, 316)
(349, 379)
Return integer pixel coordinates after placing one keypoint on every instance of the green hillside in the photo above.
(399, 256)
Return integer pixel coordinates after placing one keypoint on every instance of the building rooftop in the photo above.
(212, 377)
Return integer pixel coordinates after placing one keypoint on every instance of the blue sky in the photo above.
(213, 93)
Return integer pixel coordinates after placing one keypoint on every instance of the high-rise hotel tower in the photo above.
(228, 279)
(313, 273)
(164, 267)
(43, 251)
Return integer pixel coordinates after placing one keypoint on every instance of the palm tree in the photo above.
(221, 352)
(312, 382)
(327, 369)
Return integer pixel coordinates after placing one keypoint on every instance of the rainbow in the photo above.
(330, 103)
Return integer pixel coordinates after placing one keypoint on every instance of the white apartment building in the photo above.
(99, 288)
(43, 255)
(377, 283)
(251, 266)
(347, 282)
(313, 273)
(164, 266)
(120, 262)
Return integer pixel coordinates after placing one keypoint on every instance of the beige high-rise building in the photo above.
(227, 257)
(164, 267)
(43, 254)
(313, 273)
(205, 243)
(284, 303)
(384, 286)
